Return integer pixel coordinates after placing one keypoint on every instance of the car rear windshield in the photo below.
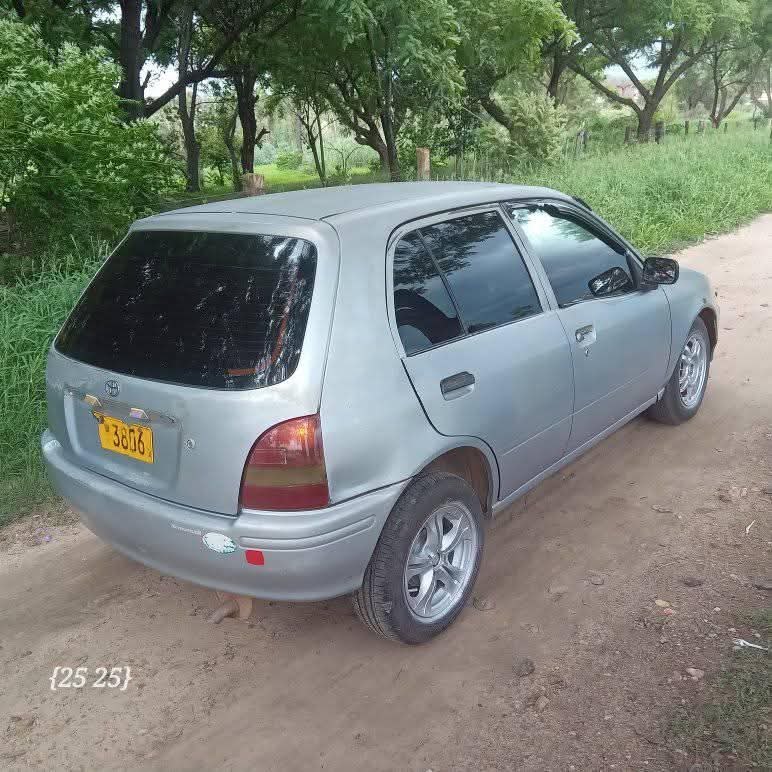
(217, 310)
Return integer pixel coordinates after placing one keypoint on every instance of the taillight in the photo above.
(285, 468)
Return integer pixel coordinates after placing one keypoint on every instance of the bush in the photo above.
(289, 159)
(537, 133)
(265, 154)
(68, 162)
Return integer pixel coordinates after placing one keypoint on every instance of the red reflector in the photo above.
(285, 469)
(255, 557)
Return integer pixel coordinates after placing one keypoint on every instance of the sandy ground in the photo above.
(574, 572)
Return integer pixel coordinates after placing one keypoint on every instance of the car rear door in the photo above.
(485, 354)
(619, 333)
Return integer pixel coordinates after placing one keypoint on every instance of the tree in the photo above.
(380, 60)
(668, 37)
(138, 31)
(308, 107)
(735, 58)
(187, 111)
(502, 38)
(68, 162)
(761, 87)
(219, 123)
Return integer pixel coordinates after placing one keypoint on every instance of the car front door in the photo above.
(484, 352)
(619, 331)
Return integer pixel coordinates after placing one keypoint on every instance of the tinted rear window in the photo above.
(202, 309)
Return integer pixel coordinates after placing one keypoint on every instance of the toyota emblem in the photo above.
(112, 388)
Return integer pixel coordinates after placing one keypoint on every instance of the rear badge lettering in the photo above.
(194, 531)
(219, 542)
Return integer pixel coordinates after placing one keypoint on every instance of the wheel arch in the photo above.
(472, 463)
(709, 317)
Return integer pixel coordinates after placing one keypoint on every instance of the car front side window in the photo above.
(580, 263)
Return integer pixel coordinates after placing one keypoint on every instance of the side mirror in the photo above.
(610, 282)
(660, 270)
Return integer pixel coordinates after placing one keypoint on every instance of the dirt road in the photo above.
(573, 572)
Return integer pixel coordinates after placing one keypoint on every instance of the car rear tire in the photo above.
(426, 561)
(685, 390)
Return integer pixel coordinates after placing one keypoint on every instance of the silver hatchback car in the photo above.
(309, 394)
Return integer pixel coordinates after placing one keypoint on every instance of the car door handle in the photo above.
(585, 336)
(457, 385)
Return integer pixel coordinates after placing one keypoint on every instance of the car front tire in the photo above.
(426, 561)
(685, 390)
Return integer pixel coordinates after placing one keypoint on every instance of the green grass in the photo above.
(30, 315)
(276, 181)
(734, 721)
(660, 197)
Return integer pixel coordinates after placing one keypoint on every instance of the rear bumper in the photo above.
(308, 555)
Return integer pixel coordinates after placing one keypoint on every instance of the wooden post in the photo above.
(726, 126)
(659, 132)
(253, 184)
(422, 163)
(628, 134)
(700, 127)
(686, 127)
(585, 138)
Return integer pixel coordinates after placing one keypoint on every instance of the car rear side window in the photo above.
(424, 312)
(216, 310)
(486, 275)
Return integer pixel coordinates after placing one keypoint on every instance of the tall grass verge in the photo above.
(31, 312)
(661, 197)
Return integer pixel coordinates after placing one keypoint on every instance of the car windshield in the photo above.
(218, 310)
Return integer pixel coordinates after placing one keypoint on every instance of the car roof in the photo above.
(323, 203)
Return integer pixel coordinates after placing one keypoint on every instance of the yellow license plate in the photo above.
(127, 439)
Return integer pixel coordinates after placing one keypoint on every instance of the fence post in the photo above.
(686, 127)
(726, 126)
(701, 127)
(253, 184)
(422, 163)
(659, 131)
(628, 134)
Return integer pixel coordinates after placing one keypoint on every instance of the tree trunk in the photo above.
(299, 133)
(192, 145)
(645, 118)
(553, 87)
(188, 114)
(312, 130)
(321, 147)
(244, 80)
(131, 59)
(229, 134)
(383, 155)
